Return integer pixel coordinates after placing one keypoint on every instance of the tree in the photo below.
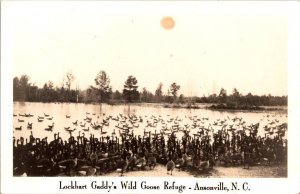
(69, 78)
(45, 93)
(102, 82)
(235, 92)
(223, 95)
(181, 98)
(212, 98)
(32, 93)
(146, 96)
(158, 93)
(23, 87)
(91, 94)
(69, 95)
(173, 89)
(236, 96)
(50, 85)
(168, 98)
(48, 94)
(52, 93)
(130, 92)
(16, 89)
(249, 99)
(24, 80)
(117, 95)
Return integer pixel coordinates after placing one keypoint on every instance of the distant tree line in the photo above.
(23, 90)
(236, 99)
(101, 92)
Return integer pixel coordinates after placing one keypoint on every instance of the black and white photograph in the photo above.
(118, 90)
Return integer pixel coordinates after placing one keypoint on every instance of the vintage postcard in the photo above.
(144, 97)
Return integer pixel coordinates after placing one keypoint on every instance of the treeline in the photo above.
(25, 91)
(237, 100)
(102, 92)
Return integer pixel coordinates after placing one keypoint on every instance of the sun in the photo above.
(167, 23)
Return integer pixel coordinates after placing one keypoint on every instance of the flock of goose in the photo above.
(127, 124)
(125, 143)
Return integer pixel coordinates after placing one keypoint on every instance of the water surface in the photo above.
(148, 113)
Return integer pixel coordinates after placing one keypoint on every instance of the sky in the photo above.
(211, 45)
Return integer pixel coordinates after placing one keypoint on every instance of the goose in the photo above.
(188, 161)
(50, 167)
(170, 166)
(104, 155)
(88, 170)
(75, 123)
(124, 166)
(97, 126)
(88, 120)
(151, 161)
(141, 162)
(132, 162)
(86, 129)
(69, 164)
(103, 132)
(246, 159)
(29, 125)
(105, 123)
(179, 163)
(51, 126)
(211, 159)
(204, 165)
(91, 171)
(48, 129)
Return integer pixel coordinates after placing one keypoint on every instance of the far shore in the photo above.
(208, 106)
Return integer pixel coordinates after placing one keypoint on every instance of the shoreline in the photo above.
(207, 106)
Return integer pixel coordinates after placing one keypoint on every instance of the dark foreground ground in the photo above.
(261, 171)
(219, 171)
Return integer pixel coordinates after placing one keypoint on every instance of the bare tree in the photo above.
(62, 83)
(69, 78)
(50, 85)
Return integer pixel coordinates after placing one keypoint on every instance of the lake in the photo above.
(146, 113)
